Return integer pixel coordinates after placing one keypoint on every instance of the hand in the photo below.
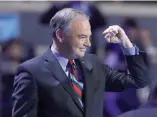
(115, 34)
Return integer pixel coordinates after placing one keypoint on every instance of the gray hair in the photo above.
(63, 18)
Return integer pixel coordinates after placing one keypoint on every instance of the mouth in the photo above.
(82, 50)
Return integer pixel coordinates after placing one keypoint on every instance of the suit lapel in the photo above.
(57, 71)
(89, 84)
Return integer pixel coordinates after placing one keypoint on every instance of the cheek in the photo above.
(76, 44)
(80, 43)
(76, 47)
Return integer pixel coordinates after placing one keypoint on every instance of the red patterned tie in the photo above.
(74, 71)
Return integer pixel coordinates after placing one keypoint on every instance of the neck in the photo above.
(61, 51)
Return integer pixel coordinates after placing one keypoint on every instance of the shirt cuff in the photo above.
(131, 51)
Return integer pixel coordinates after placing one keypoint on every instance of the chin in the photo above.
(81, 55)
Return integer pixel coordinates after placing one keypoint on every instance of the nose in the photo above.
(87, 43)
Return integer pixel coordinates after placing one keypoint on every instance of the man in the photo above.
(66, 82)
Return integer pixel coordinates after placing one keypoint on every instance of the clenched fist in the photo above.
(115, 34)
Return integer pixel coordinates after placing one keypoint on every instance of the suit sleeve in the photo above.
(136, 77)
(24, 95)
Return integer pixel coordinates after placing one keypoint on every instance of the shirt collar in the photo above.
(62, 61)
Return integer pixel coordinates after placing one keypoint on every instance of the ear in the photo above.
(60, 35)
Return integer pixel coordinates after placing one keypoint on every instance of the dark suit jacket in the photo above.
(42, 89)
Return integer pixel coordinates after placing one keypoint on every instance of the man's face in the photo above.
(79, 38)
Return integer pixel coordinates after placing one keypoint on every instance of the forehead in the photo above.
(81, 26)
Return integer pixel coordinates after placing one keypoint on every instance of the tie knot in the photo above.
(71, 62)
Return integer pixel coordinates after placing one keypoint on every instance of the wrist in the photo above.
(126, 43)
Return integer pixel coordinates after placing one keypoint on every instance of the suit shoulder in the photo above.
(30, 65)
(96, 61)
(93, 60)
(92, 57)
(32, 62)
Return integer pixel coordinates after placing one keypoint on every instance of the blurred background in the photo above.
(25, 33)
